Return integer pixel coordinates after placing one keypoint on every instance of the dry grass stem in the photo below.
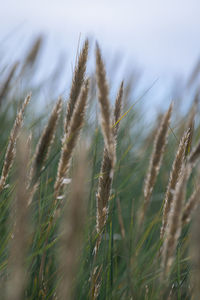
(72, 227)
(19, 244)
(194, 156)
(11, 149)
(77, 81)
(156, 160)
(191, 205)
(45, 142)
(174, 178)
(104, 189)
(107, 171)
(173, 229)
(70, 139)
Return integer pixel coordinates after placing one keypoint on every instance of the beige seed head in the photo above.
(173, 229)
(156, 160)
(77, 82)
(174, 178)
(11, 149)
(103, 97)
(45, 142)
(70, 139)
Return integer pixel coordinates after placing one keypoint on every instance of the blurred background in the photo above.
(149, 43)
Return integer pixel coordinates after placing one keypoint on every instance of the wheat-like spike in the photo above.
(118, 108)
(173, 179)
(45, 142)
(104, 188)
(19, 244)
(190, 206)
(10, 152)
(190, 125)
(33, 52)
(6, 84)
(77, 81)
(72, 226)
(70, 139)
(103, 195)
(104, 103)
(29, 145)
(156, 160)
(194, 156)
(107, 171)
(173, 229)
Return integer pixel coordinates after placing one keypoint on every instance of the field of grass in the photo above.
(93, 204)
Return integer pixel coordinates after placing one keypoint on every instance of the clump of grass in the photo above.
(85, 240)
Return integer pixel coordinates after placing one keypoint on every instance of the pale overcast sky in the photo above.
(162, 36)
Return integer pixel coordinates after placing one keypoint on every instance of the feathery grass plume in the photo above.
(107, 172)
(156, 160)
(70, 139)
(191, 204)
(10, 152)
(174, 178)
(102, 204)
(72, 226)
(19, 244)
(194, 156)
(103, 194)
(118, 108)
(5, 86)
(29, 144)
(33, 53)
(195, 256)
(173, 228)
(68, 145)
(45, 142)
(77, 82)
(104, 188)
(104, 103)
(190, 125)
